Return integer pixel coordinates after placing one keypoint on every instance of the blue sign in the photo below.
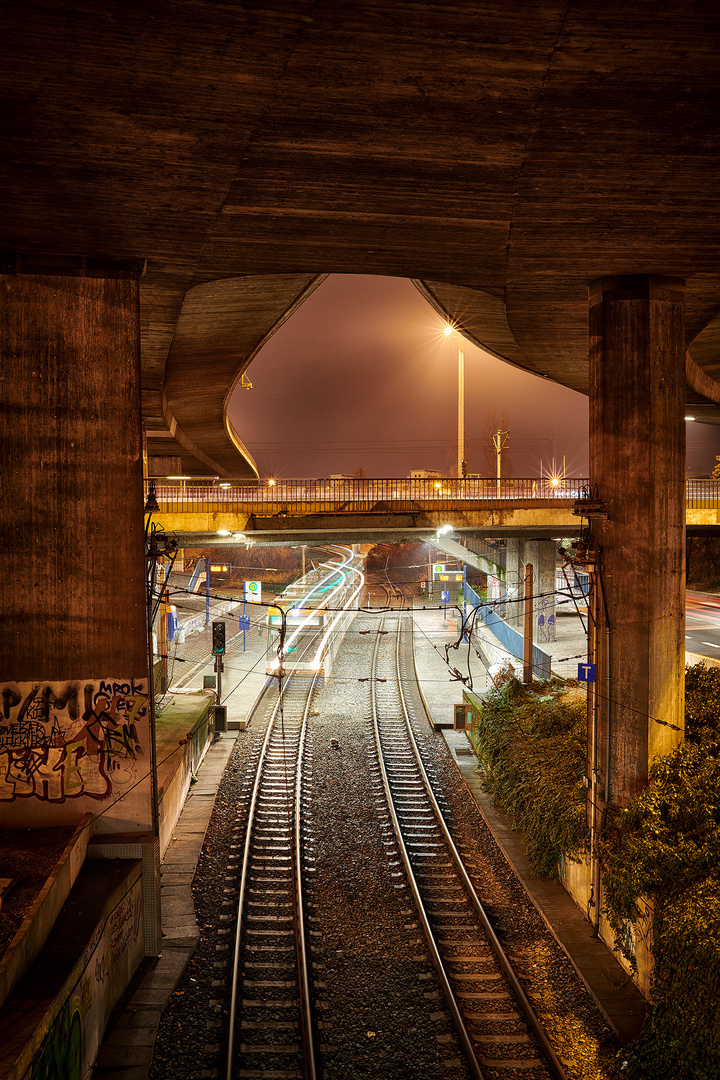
(444, 596)
(244, 621)
(586, 673)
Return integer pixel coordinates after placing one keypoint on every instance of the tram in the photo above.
(308, 621)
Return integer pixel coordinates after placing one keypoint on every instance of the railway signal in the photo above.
(218, 639)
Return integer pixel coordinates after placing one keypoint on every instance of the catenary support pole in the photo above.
(528, 626)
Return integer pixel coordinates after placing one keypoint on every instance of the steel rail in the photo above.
(553, 1061)
(458, 1020)
(305, 1002)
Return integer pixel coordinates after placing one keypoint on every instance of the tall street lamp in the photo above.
(461, 465)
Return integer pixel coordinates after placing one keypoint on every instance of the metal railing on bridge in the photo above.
(269, 497)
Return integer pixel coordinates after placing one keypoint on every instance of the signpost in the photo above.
(586, 673)
(207, 590)
(253, 592)
(244, 624)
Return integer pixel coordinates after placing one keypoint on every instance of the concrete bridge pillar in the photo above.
(74, 719)
(541, 553)
(637, 463)
(515, 577)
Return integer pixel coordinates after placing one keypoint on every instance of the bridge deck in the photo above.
(387, 509)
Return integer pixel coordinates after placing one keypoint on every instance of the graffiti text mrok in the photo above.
(62, 741)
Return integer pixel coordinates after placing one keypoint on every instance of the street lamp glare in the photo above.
(448, 331)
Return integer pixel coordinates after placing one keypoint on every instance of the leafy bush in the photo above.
(666, 846)
(532, 744)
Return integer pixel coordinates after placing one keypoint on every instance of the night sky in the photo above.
(362, 377)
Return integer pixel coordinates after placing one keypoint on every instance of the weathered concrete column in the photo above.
(74, 727)
(515, 581)
(637, 462)
(542, 554)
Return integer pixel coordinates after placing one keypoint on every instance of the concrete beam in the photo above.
(539, 523)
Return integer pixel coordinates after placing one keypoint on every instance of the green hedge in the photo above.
(532, 744)
(666, 846)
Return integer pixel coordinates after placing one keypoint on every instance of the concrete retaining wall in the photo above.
(576, 878)
(175, 778)
(37, 924)
(54, 1021)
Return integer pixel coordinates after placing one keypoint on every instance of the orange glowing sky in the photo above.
(361, 376)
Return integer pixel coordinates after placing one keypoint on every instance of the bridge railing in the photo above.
(702, 494)
(268, 497)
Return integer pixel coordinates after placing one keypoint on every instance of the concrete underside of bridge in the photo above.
(504, 156)
(368, 527)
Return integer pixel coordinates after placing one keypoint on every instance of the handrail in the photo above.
(350, 495)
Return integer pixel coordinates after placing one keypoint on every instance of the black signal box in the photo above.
(218, 638)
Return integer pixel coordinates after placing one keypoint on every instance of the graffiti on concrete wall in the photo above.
(61, 1053)
(71, 1043)
(546, 619)
(69, 740)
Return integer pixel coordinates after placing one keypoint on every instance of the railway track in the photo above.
(270, 1022)
(271, 1027)
(496, 1025)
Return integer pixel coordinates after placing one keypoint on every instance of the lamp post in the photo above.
(448, 332)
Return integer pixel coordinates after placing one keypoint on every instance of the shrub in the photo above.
(666, 846)
(532, 744)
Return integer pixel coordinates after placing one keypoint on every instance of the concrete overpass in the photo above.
(373, 511)
(175, 182)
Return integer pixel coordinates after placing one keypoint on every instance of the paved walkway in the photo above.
(127, 1049)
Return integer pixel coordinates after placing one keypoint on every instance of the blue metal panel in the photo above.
(508, 637)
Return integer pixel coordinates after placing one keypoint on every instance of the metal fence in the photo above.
(271, 497)
(702, 494)
(268, 497)
(494, 551)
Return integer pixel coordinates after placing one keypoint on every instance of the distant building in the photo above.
(425, 474)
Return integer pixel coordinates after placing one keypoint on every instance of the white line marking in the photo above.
(712, 644)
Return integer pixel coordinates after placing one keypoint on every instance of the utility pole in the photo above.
(207, 590)
(500, 439)
(528, 627)
(461, 414)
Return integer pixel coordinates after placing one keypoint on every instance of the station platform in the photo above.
(127, 1049)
